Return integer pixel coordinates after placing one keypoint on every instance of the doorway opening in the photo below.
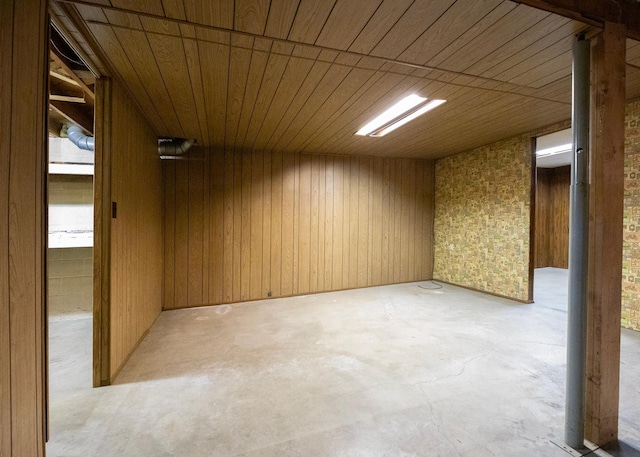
(553, 181)
(70, 231)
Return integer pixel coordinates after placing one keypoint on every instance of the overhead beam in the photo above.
(58, 59)
(73, 113)
(66, 98)
(63, 78)
(605, 244)
(595, 12)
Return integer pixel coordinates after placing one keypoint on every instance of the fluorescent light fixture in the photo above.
(568, 147)
(399, 114)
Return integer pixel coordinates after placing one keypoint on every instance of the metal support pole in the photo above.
(578, 248)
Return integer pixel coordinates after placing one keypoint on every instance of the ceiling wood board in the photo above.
(116, 55)
(506, 29)
(305, 75)
(281, 15)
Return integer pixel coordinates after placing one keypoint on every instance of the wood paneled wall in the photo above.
(23, 152)
(551, 235)
(252, 225)
(128, 252)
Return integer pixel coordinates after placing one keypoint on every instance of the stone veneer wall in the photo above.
(631, 227)
(482, 218)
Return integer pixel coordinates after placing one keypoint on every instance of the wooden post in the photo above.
(102, 236)
(23, 152)
(605, 244)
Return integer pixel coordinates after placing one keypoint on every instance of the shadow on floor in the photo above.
(621, 449)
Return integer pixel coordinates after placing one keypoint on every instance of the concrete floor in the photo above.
(386, 371)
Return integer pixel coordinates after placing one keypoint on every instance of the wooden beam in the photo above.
(66, 98)
(102, 237)
(23, 145)
(595, 12)
(63, 78)
(605, 245)
(60, 61)
(73, 113)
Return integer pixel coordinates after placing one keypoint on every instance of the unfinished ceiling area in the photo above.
(305, 75)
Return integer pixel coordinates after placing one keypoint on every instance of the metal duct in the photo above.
(75, 135)
(167, 147)
(170, 148)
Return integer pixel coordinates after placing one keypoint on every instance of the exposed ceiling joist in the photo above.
(594, 12)
(73, 113)
(66, 98)
(63, 78)
(60, 61)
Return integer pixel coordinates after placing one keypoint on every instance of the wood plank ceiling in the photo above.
(304, 75)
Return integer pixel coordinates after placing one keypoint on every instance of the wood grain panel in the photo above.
(217, 226)
(544, 211)
(169, 53)
(215, 87)
(23, 155)
(346, 21)
(143, 62)
(116, 54)
(251, 15)
(560, 190)
(552, 217)
(298, 223)
(251, 89)
(453, 23)
(217, 14)
(419, 17)
(309, 20)
(280, 18)
(505, 30)
(134, 248)
(266, 99)
(356, 55)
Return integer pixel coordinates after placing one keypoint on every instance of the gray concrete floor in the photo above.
(385, 371)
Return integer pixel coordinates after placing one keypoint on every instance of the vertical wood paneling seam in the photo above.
(273, 96)
(206, 226)
(175, 233)
(336, 86)
(42, 239)
(325, 22)
(281, 174)
(293, 20)
(277, 127)
(390, 27)
(253, 106)
(8, 358)
(206, 116)
(193, 95)
(188, 247)
(233, 142)
(122, 46)
(226, 104)
(310, 210)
